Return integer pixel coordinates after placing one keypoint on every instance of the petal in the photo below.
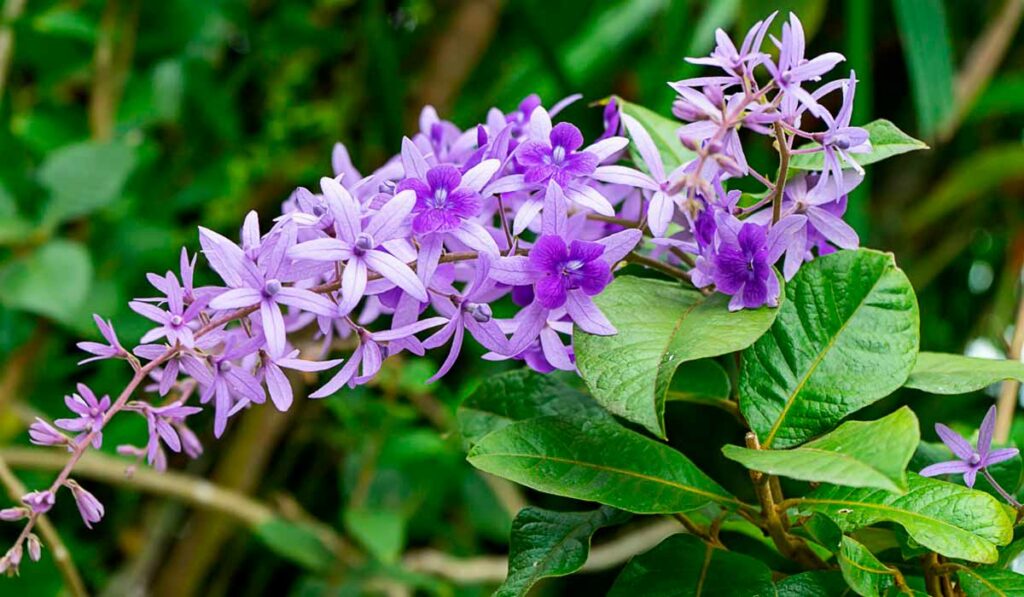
(555, 220)
(554, 350)
(988, 425)
(321, 249)
(618, 245)
(236, 298)
(590, 198)
(833, 228)
(954, 441)
(645, 146)
(625, 176)
(306, 300)
(566, 136)
(342, 377)
(586, 315)
(273, 327)
(480, 175)
(353, 285)
(413, 162)
(278, 386)
(659, 214)
(387, 223)
(997, 456)
(347, 212)
(605, 148)
(514, 271)
(396, 271)
(530, 321)
(476, 237)
(525, 216)
(453, 355)
(945, 468)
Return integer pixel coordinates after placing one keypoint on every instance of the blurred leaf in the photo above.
(856, 454)
(13, 228)
(990, 582)
(886, 141)
(701, 382)
(297, 542)
(66, 22)
(44, 130)
(1004, 96)
(715, 15)
(661, 325)
(381, 532)
(597, 461)
(684, 566)
(607, 35)
(517, 396)
(547, 543)
(85, 177)
(954, 521)
(846, 336)
(972, 178)
(53, 280)
(929, 57)
(862, 570)
(940, 373)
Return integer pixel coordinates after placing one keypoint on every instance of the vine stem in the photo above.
(780, 182)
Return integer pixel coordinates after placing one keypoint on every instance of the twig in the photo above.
(111, 60)
(780, 182)
(12, 11)
(51, 539)
(1007, 402)
(661, 266)
(726, 405)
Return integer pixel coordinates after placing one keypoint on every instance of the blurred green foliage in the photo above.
(126, 123)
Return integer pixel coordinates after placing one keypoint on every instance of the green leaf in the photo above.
(886, 141)
(862, 570)
(926, 47)
(701, 382)
(548, 543)
(84, 177)
(295, 541)
(846, 336)
(941, 373)
(955, 521)
(683, 565)
(517, 396)
(609, 31)
(812, 584)
(990, 582)
(857, 454)
(380, 531)
(52, 281)
(663, 132)
(598, 461)
(661, 325)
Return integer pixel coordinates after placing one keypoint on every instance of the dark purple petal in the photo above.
(566, 136)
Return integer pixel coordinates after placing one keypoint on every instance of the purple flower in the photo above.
(970, 460)
(42, 433)
(793, 69)
(228, 384)
(468, 311)
(39, 502)
(279, 387)
(560, 269)
(90, 413)
(164, 423)
(13, 514)
(260, 283)
(111, 350)
(175, 323)
(88, 506)
(741, 258)
(556, 159)
(737, 63)
(841, 139)
(361, 247)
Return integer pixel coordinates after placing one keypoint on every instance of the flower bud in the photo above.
(35, 548)
(88, 506)
(42, 433)
(12, 514)
(39, 501)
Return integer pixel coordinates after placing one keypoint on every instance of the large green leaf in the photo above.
(599, 461)
(517, 396)
(54, 280)
(929, 56)
(990, 582)
(701, 382)
(886, 141)
(857, 454)
(955, 521)
(548, 543)
(941, 373)
(85, 177)
(683, 566)
(661, 325)
(846, 336)
(662, 130)
(862, 570)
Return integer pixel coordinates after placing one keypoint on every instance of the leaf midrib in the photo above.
(658, 480)
(791, 399)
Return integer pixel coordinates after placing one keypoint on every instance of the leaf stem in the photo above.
(661, 266)
(780, 182)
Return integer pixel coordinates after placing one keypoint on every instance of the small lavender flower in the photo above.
(42, 433)
(111, 350)
(90, 411)
(175, 323)
(35, 548)
(970, 460)
(794, 69)
(738, 63)
(88, 506)
(556, 159)
(39, 502)
(13, 514)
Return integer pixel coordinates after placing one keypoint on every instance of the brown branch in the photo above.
(11, 13)
(780, 182)
(1010, 389)
(660, 266)
(112, 58)
(51, 539)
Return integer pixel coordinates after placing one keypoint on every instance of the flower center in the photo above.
(557, 154)
(440, 198)
(480, 311)
(272, 287)
(841, 141)
(223, 367)
(364, 243)
(176, 321)
(572, 266)
(975, 459)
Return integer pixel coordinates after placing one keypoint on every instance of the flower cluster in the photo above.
(518, 209)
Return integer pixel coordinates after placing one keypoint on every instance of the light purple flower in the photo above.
(35, 548)
(90, 411)
(176, 322)
(970, 460)
(794, 69)
(13, 514)
(738, 63)
(89, 507)
(111, 350)
(39, 502)
(278, 386)
(840, 139)
(42, 433)
(557, 159)
(260, 283)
